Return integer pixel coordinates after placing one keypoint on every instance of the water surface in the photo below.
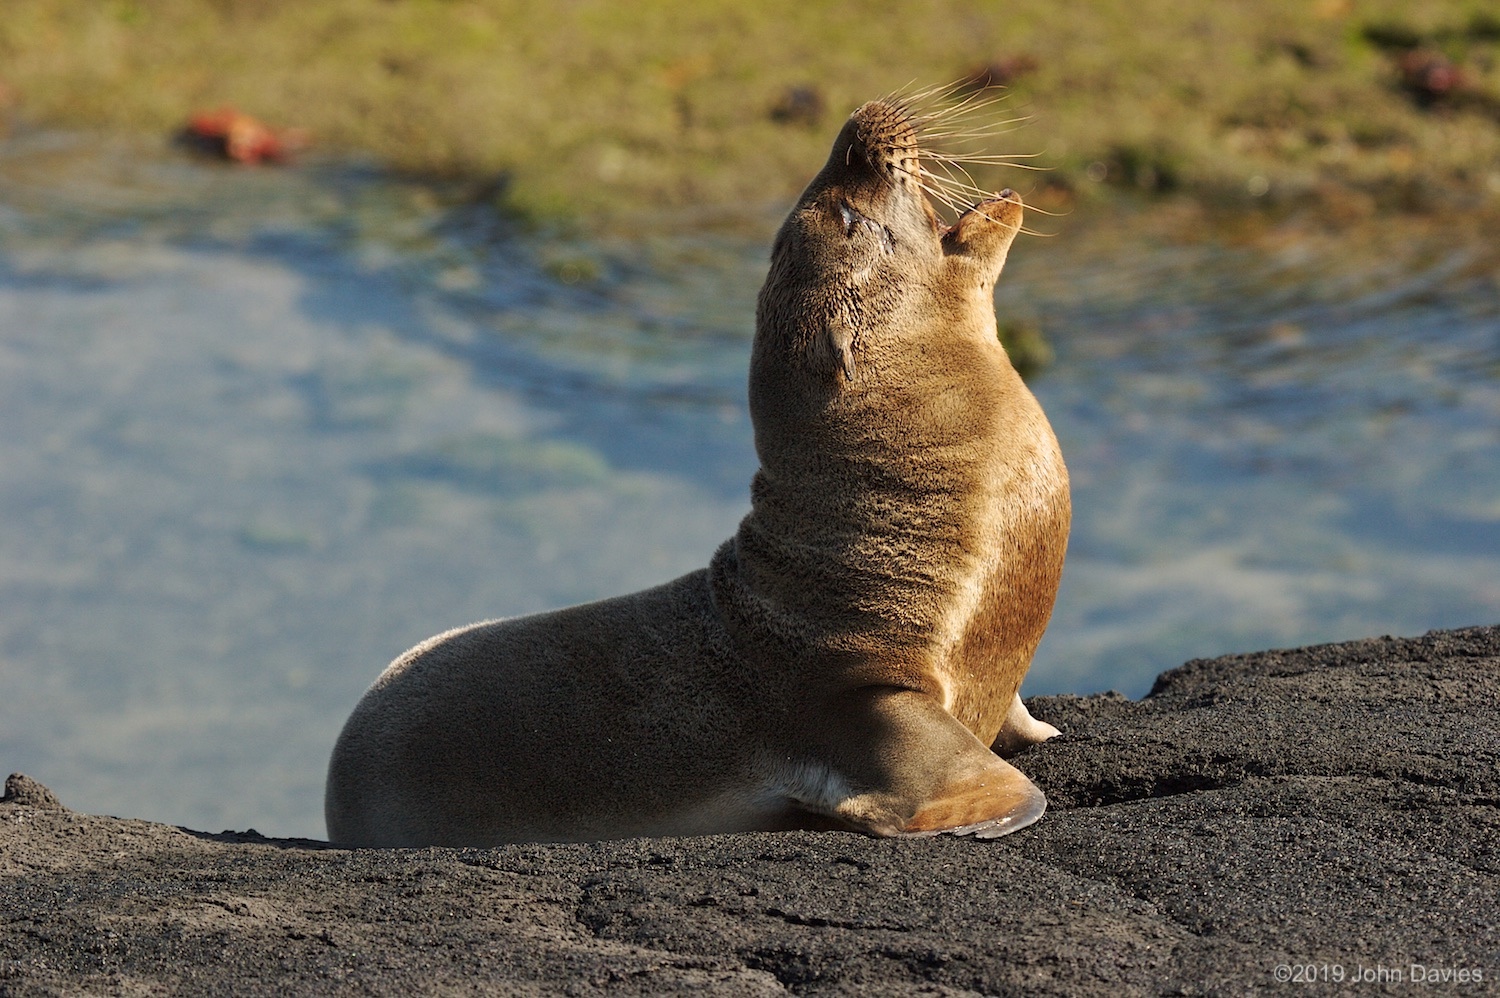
(263, 430)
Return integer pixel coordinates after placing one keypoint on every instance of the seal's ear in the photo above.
(833, 348)
(981, 239)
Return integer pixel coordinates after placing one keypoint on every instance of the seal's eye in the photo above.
(855, 223)
(852, 218)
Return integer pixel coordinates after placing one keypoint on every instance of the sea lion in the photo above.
(851, 654)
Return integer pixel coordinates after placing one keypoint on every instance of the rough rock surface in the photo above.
(1334, 809)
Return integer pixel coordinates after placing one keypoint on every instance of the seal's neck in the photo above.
(868, 512)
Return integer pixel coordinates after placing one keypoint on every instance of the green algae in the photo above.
(593, 109)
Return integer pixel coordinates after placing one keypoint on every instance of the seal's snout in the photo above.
(880, 139)
(884, 123)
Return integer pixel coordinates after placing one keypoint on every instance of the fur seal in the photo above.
(850, 656)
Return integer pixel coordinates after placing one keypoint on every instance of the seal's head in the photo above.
(864, 247)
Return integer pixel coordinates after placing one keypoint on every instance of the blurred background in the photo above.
(327, 327)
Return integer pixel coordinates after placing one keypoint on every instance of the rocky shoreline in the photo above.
(1328, 814)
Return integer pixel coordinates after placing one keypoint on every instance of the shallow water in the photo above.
(263, 430)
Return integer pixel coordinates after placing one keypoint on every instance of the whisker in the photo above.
(954, 124)
(970, 103)
(948, 166)
(1031, 208)
(954, 184)
(950, 190)
(971, 121)
(1021, 230)
(979, 134)
(1009, 164)
(997, 159)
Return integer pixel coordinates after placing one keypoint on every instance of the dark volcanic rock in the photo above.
(1335, 807)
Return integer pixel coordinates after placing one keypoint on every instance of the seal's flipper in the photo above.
(1021, 730)
(910, 768)
(994, 803)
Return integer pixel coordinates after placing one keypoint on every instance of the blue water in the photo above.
(262, 430)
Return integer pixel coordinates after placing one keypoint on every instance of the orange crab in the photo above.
(239, 137)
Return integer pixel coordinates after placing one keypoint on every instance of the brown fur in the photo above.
(850, 655)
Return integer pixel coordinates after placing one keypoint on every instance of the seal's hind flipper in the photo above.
(908, 767)
(1021, 730)
(996, 802)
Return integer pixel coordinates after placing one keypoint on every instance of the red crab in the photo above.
(237, 136)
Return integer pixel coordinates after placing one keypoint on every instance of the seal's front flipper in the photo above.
(909, 768)
(996, 802)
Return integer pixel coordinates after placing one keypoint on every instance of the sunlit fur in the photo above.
(849, 656)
